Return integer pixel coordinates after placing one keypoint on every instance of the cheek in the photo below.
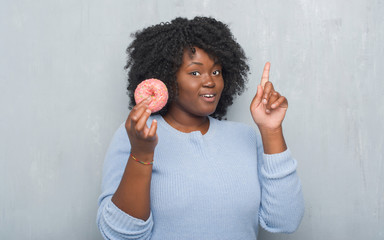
(188, 89)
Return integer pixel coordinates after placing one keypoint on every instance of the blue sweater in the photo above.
(219, 185)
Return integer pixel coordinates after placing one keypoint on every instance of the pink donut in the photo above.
(154, 88)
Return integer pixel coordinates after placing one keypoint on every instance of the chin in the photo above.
(206, 113)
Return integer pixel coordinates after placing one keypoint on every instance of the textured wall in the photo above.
(63, 95)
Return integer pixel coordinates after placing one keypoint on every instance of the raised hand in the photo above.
(268, 107)
(143, 140)
(133, 194)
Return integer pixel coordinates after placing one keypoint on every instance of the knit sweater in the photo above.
(219, 185)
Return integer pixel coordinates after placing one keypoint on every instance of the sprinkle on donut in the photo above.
(156, 89)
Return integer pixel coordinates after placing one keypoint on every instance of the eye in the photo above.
(195, 73)
(216, 72)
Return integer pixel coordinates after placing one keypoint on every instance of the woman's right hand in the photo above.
(143, 139)
(133, 194)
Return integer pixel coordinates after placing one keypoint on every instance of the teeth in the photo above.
(208, 95)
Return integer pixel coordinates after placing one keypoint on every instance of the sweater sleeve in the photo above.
(113, 222)
(282, 204)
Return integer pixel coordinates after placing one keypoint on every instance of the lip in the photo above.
(208, 99)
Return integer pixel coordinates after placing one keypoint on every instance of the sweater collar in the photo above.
(209, 133)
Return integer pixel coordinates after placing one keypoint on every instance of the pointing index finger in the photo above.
(265, 77)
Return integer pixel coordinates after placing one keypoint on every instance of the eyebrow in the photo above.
(199, 63)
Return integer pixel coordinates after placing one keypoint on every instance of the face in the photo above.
(200, 83)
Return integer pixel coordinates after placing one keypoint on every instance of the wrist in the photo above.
(142, 156)
(273, 140)
(271, 131)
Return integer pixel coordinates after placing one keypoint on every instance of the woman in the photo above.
(183, 173)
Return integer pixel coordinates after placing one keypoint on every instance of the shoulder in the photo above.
(120, 139)
(121, 132)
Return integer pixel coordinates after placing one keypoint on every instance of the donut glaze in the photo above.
(156, 89)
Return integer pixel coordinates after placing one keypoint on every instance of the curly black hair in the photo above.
(157, 52)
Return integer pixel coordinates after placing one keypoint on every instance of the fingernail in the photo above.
(273, 105)
(148, 111)
(265, 101)
(267, 111)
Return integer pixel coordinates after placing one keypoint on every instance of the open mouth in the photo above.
(209, 97)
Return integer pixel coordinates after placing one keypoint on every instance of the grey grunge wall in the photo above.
(62, 96)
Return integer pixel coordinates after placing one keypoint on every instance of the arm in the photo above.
(268, 109)
(282, 204)
(124, 206)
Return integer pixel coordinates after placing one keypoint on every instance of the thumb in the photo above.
(258, 97)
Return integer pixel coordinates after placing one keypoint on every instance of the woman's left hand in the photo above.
(268, 107)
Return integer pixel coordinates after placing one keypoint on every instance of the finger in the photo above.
(258, 97)
(137, 111)
(272, 99)
(135, 115)
(280, 102)
(145, 102)
(152, 130)
(265, 76)
(142, 123)
(268, 90)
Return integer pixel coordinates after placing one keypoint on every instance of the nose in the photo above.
(208, 82)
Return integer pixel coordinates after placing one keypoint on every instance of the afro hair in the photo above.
(157, 52)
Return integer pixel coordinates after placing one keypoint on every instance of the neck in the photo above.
(185, 122)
